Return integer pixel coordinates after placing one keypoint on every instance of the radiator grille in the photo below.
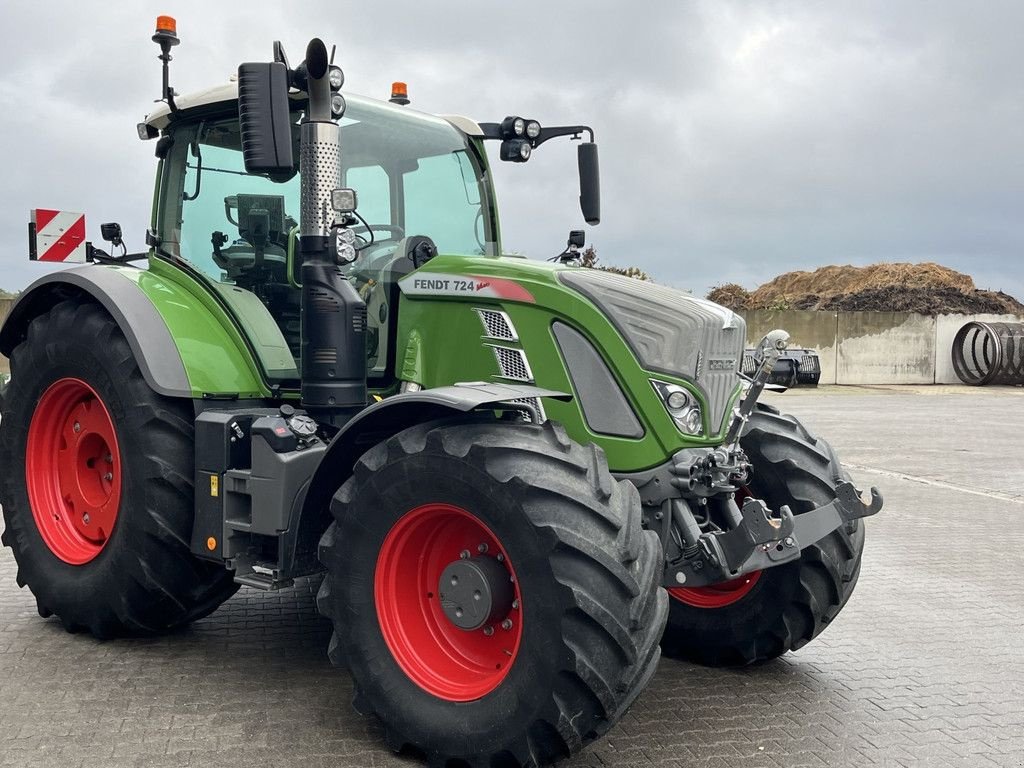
(512, 364)
(497, 325)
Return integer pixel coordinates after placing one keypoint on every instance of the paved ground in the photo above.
(925, 666)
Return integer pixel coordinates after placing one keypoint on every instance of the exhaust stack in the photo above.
(333, 314)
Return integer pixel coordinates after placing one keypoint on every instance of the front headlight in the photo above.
(681, 406)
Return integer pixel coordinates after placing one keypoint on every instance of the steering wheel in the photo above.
(394, 232)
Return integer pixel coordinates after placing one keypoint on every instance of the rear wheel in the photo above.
(98, 500)
(767, 613)
(492, 592)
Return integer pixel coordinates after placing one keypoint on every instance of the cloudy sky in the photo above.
(738, 139)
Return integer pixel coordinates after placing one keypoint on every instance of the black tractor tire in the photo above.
(791, 604)
(591, 611)
(143, 579)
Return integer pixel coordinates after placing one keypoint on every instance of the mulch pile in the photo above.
(928, 289)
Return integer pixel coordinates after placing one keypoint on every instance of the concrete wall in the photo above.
(885, 348)
(872, 347)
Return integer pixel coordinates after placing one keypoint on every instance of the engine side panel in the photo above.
(442, 339)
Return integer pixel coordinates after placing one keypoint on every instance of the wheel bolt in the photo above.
(481, 548)
(515, 603)
(506, 624)
(500, 558)
(464, 554)
(789, 541)
(77, 427)
(488, 631)
(109, 476)
(85, 518)
(109, 459)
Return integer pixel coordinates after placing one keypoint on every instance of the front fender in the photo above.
(384, 419)
(390, 416)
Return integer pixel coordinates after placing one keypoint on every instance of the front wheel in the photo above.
(766, 613)
(492, 592)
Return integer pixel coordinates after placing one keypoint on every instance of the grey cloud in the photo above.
(738, 140)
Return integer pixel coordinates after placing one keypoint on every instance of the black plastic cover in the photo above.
(333, 340)
(276, 432)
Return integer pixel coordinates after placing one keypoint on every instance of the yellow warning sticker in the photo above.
(214, 485)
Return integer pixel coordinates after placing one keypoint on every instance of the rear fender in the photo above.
(134, 313)
(184, 345)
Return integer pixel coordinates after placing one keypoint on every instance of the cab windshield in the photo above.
(414, 175)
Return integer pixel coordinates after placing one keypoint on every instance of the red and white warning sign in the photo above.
(56, 236)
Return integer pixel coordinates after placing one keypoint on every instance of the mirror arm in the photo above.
(563, 130)
(492, 131)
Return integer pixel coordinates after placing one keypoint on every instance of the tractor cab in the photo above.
(417, 176)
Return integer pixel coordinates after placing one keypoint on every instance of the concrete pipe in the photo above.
(989, 353)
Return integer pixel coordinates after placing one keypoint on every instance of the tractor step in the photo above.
(263, 577)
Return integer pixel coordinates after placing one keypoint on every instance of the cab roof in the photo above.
(226, 92)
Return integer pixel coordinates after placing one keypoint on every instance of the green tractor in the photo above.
(523, 480)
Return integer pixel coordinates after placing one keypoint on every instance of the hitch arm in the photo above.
(761, 541)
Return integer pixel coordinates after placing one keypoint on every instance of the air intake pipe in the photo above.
(333, 315)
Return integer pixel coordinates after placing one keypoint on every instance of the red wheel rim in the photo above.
(448, 662)
(717, 595)
(73, 471)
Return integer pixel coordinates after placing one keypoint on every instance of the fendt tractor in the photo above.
(523, 481)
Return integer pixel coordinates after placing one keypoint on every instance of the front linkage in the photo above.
(691, 501)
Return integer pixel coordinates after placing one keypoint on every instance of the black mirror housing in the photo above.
(590, 182)
(264, 118)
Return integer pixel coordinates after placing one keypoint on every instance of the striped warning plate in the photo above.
(56, 235)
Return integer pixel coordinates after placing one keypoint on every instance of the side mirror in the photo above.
(590, 182)
(264, 119)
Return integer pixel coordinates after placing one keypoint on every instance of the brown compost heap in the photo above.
(928, 289)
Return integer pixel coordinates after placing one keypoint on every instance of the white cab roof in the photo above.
(158, 118)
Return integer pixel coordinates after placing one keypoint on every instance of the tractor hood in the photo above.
(670, 331)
